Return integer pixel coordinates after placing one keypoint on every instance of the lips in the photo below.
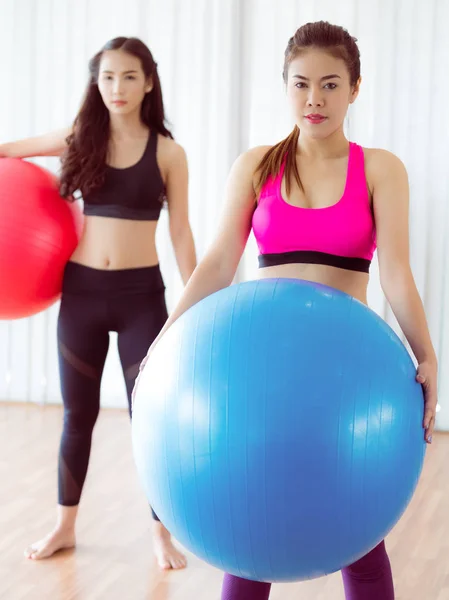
(119, 102)
(315, 119)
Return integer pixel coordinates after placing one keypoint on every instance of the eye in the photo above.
(130, 77)
(330, 86)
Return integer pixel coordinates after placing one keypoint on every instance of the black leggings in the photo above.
(95, 302)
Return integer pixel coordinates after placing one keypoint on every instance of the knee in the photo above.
(80, 420)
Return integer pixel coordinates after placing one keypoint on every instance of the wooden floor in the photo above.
(114, 559)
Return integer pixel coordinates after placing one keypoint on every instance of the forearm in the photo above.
(49, 144)
(206, 279)
(185, 254)
(23, 149)
(404, 299)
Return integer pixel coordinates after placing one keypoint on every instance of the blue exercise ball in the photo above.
(277, 430)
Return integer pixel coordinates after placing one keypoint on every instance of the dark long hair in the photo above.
(84, 161)
(340, 44)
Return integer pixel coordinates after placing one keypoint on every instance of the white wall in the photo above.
(220, 65)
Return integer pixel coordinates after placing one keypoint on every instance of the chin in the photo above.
(117, 110)
(316, 135)
(318, 132)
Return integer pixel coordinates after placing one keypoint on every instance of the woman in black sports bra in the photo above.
(123, 160)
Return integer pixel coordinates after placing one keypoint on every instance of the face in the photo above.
(122, 82)
(319, 92)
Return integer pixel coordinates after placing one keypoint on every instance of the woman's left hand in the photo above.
(426, 375)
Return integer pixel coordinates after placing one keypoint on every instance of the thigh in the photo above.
(143, 317)
(83, 341)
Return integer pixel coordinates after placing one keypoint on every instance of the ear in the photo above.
(355, 91)
(149, 85)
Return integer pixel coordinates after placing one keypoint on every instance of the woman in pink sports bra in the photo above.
(319, 206)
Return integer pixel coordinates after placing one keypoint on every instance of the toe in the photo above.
(164, 564)
(179, 562)
(28, 552)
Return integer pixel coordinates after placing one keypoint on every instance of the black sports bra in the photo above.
(135, 193)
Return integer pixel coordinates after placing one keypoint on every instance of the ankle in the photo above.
(64, 527)
(160, 531)
(66, 519)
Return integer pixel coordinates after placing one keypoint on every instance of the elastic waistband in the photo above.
(80, 279)
(315, 258)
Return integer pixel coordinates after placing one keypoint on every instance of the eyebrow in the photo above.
(325, 78)
(124, 72)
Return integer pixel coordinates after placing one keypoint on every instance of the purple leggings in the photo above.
(367, 579)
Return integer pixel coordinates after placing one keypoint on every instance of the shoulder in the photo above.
(381, 166)
(380, 158)
(255, 155)
(170, 150)
(248, 161)
(243, 170)
(380, 163)
(171, 158)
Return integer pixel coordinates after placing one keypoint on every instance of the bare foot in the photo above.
(58, 539)
(167, 556)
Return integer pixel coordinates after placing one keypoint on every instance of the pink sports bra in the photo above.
(341, 235)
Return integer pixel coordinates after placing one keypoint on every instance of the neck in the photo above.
(331, 147)
(128, 126)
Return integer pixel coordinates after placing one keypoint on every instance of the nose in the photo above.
(315, 97)
(117, 87)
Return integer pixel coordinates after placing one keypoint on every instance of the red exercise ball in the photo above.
(39, 231)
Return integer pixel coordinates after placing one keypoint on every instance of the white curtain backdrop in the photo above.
(220, 64)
